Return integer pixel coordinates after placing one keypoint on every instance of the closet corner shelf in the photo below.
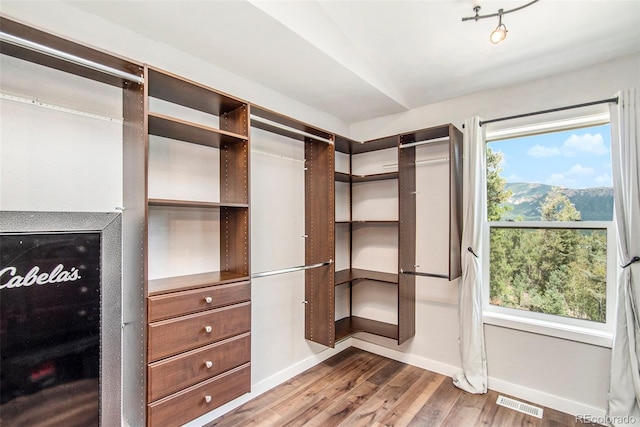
(342, 177)
(353, 324)
(374, 177)
(349, 275)
(182, 130)
(193, 281)
(194, 204)
(375, 222)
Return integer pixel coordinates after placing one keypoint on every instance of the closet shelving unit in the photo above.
(199, 319)
(444, 140)
(319, 218)
(352, 324)
(407, 180)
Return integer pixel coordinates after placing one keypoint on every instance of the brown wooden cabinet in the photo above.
(403, 156)
(197, 271)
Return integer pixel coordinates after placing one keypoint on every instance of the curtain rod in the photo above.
(553, 110)
(36, 47)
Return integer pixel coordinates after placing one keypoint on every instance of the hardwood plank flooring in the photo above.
(357, 388)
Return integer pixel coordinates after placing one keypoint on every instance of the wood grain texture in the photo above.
(356, 388)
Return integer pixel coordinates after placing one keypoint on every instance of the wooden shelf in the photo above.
(349, 275)
(374, 177)
(374, 145)
(287, 122)
(193, 281)
(351, 325)
(182, 130)
(375, 222)
(194, 204)
(342, 177)
(175, 89)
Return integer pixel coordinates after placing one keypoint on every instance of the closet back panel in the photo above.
(183, 171)
(74, 160)
(277, 202)
(432, 208)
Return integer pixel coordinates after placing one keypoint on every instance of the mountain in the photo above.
(594, 204)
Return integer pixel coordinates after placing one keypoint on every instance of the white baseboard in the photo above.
(520, 392)
(545, 399)
(411, 359)
(270, 382)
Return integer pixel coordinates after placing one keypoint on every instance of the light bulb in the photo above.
(499, 34)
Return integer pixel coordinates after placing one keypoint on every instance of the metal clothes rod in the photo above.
(418, 162)
(426, 141)
(291, 269)
(553, 110)
(17, 41)
(416, 273)
(289, 129)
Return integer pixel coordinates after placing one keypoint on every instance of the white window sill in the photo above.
(553, 329)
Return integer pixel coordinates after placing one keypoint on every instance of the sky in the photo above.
(579, 158)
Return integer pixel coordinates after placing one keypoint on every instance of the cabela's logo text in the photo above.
(34, 277)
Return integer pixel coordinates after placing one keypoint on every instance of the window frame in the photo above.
(591, 332)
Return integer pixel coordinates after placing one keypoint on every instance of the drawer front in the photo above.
(186, 369)
(195, 300)
(170, 337)
(195, 401)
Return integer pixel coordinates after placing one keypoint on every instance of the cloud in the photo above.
(580, 170)
(585, 143)
(512, 178)
(542, 151)
(572, 146)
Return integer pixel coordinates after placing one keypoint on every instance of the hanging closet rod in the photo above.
(291, 269)
(20, 42)
(552, 110)
(417, 162)
(289, 129)
(416, 273)
(426, 141)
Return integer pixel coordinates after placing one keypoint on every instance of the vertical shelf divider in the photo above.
(320, 241)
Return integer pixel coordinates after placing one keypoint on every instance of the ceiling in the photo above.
(359, 60)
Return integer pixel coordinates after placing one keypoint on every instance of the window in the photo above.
(549, 229)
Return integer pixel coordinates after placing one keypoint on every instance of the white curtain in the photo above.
(473, 377)
(624, 389)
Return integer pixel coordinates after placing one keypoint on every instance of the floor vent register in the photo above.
(520, 406)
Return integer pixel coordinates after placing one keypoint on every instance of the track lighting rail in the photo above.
(499, 13)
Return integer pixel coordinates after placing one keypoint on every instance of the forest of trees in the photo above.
(549, 270)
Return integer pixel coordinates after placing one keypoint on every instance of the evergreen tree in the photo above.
(550, 270)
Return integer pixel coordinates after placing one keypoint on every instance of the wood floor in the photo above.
(358, 388)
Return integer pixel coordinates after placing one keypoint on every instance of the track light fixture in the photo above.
(500, 33)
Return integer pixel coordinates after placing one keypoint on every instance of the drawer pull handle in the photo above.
(208, 364)
(208, 300)
(208, 329)
(207, 399)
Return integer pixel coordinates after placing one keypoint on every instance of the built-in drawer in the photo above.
(199, 399)
(169, 337)
(174, 304)
(184, 370)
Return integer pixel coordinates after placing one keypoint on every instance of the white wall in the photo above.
(558, 373)
(53, 159)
